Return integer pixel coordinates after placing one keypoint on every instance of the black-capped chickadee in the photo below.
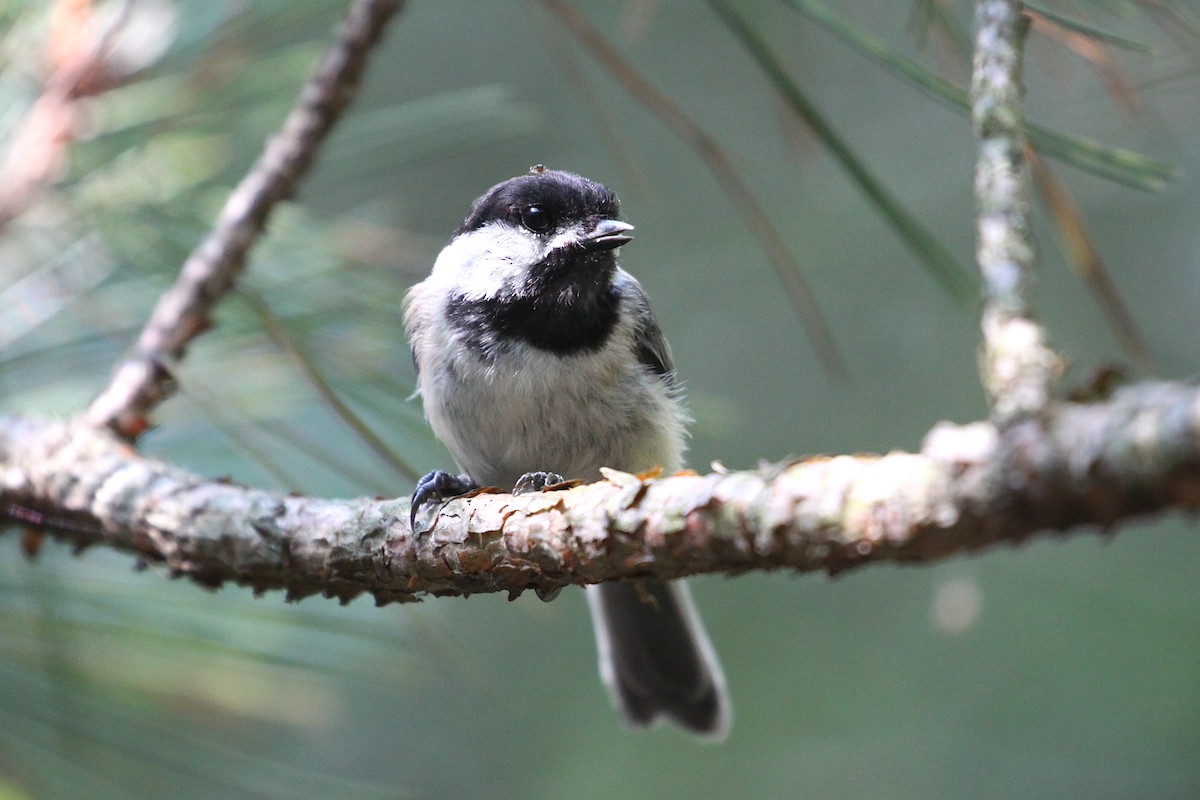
(535, 351)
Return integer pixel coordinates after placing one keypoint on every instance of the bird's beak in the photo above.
(608, 234)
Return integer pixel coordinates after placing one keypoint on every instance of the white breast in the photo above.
(532, 410)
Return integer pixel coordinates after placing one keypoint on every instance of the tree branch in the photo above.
(970, 487)
(1039, 464)
(140, 382)
(1018, 368)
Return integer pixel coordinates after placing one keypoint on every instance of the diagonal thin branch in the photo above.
(1083, 255)
(923, 245)
(140, 382)
(970, 487)
(723, 169)
(80, 63)
(277, 331)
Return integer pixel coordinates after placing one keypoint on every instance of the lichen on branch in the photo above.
(1018, 368)
(970, 487)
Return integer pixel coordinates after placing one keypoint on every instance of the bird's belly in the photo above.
(499, 426)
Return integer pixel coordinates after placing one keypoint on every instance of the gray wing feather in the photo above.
(650, 346)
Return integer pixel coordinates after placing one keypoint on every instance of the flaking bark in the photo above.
(1086, 467)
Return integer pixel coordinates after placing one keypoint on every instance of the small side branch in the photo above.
(142, 380)
(968, 488)
(1019, 369)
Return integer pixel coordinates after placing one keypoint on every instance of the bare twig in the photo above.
(970, 487)
(140, 382)
(1018, 367)
(80, 65)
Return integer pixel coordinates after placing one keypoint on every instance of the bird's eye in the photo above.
(536, 219)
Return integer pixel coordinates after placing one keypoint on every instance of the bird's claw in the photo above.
(536, 481)
(437, 486)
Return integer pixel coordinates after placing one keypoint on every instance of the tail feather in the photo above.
(656, 658)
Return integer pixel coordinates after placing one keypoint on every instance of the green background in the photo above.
(1060, 669)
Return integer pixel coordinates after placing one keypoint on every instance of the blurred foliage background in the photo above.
(1066, 670)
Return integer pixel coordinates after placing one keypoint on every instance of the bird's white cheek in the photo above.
(488, 262)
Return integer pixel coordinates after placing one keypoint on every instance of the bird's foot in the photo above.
(435, 487)
(536, 481)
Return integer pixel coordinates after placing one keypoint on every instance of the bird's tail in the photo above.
(655, 657)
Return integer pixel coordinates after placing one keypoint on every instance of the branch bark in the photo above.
(1019, 369)
(968, 488)
(1037, 465)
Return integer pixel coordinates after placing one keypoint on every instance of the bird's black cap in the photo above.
(565, 196)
